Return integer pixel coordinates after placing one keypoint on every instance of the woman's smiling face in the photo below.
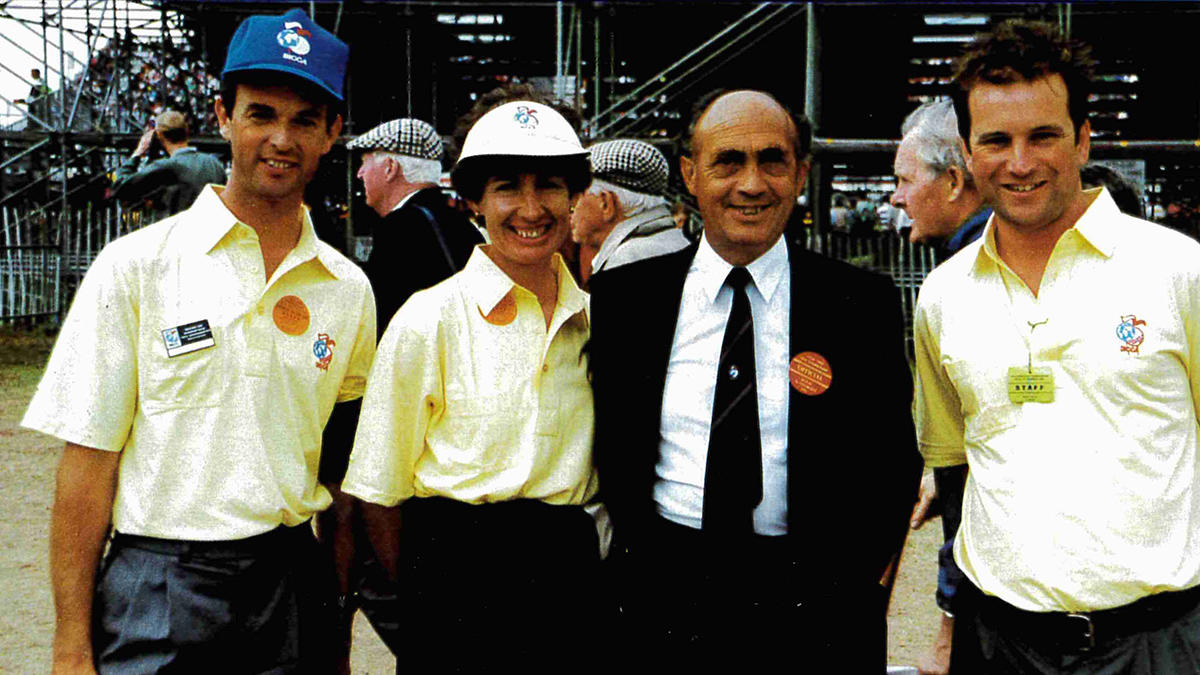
(527, 217)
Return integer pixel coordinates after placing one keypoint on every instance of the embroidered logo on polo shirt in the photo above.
(1130, 334)
(323, 350)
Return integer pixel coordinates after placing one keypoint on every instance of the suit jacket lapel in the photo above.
(663, 292)
(808, 416)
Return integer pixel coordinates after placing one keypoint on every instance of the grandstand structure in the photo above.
(629, 68)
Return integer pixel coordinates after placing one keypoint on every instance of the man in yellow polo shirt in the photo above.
(1059, 355)
(199, 362)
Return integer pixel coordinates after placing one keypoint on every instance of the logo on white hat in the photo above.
(526, 117)
(293, 37)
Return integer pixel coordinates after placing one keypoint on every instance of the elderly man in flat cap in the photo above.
(421, 239)
(624, 216)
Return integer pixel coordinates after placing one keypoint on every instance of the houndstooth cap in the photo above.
(635, 165)
(405, 136)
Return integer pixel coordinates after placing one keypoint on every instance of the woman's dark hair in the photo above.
(470, 175)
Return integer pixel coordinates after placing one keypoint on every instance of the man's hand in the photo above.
(143, 145)
(937, 660)
(924, 509)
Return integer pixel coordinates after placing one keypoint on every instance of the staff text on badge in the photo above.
(188, 338)
(1026, 385)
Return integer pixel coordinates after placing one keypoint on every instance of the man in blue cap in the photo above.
(191, 382)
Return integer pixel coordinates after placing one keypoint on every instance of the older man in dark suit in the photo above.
(753, 436)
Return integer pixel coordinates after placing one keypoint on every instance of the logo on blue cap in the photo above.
(309, 51)
(293, 37)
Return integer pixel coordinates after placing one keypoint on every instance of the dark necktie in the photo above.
(733, 474)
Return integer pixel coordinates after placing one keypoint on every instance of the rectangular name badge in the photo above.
(1030, 386)
(188, 338)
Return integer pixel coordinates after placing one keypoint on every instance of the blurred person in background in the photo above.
(623, 216)
(1125, 193)
(933, 185)
(169, 185)
(945, 209)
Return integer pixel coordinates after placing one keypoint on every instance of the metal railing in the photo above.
(44, 255)
(887, 253)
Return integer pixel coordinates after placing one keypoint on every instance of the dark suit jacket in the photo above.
(853, 466)
(406, 256)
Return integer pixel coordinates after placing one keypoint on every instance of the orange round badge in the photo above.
(291, 315)
(810, 373)
(503, 313)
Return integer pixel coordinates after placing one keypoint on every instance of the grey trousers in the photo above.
(260, 605)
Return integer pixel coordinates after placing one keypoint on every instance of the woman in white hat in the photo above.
(473, 449)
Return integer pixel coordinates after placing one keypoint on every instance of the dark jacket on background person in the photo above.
(170, 184)
(406, 255)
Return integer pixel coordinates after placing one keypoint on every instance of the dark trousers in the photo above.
(505, 587)
(257, 605)
(690, 604)
(1158, 635)
(950, 482)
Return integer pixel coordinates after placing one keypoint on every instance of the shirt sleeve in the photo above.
(404, 394)
(354, 382)
(937, 409)
(88, 392)
(1190, 313)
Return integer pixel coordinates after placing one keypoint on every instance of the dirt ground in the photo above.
(27, 461)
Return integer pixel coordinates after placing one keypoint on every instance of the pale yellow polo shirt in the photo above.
(1090, 501)
(471, 400)
(222, 442)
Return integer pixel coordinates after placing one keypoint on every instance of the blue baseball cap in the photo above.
(292, 44)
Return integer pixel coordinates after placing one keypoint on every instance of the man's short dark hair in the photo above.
(265, 78)
(176, 135)
(1016, 51)
(802, 142)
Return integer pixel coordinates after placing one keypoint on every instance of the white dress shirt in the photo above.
(692, 381)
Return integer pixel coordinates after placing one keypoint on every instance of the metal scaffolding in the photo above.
(68, 137)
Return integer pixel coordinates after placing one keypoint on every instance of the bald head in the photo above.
(745, 167)
(719, 107)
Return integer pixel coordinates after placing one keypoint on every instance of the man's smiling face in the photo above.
(277, 139)
(744, 174)
(1024, 153)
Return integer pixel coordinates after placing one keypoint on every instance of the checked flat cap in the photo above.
(635, 165)
(405, 136)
